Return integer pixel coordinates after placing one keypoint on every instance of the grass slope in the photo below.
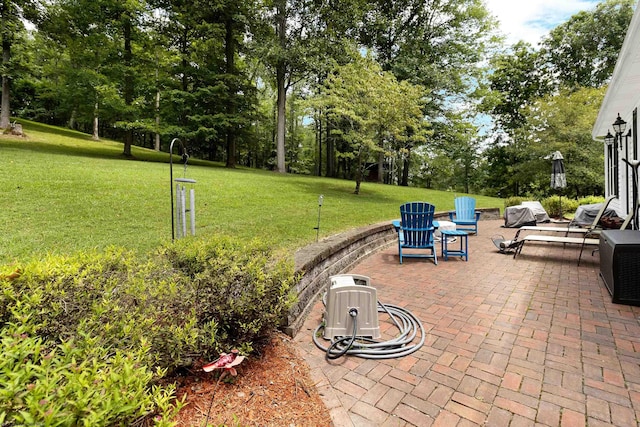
(63, 193)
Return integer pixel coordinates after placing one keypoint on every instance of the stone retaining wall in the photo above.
(338, 254)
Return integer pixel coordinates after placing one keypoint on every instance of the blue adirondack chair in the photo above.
(416, 230)
(465, 214)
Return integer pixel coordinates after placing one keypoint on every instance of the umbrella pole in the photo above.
(558, 177)
(560, 198)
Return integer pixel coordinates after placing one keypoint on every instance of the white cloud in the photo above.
(530, 20)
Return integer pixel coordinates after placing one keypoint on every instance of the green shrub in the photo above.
(125, 322)
(115, 299)
(514, 201)
(74, 382)
(552, 205)
(590, 200)
(192, 299)
(240, 288)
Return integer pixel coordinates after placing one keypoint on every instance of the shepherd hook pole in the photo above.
(320, 199)
(184, 154)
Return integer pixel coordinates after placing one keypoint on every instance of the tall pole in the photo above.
(317, 228)
(634, 164)
(626, 175)
(184, 155)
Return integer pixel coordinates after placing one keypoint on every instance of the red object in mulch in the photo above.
(226, 362)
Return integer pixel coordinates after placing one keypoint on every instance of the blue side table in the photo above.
(463, 252)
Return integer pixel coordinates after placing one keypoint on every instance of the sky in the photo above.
(530, 20)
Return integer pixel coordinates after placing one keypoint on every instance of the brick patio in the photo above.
(524, 342)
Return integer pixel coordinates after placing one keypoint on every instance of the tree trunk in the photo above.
(213, 148)
(281, 75)
(380, 168)
(72, 119)
(156, 145)
(96, 135)
(358, 173)
(331, 150)
(230, 51)
(128, 82)
(157, 134)
(184, 50)
(405, 170)
(319, 140)
(281, 119)
(5, 107)
(466, 179)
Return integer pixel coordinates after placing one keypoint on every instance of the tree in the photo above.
(579, 53)
(12, 16)
(518, 78)
(75, 50)
(211, 101)
(124, 19)
(224, 73)
(349, 97)
(401, 124)
(497, 163)
(564, 123)
(451, 159)
(463, 150)
(368, 108)
(438, 44)
(583, 51)
(105, 61)
(299, 41)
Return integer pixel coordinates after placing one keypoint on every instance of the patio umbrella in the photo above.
(558, 177)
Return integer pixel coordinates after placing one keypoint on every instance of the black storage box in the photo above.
(620, 265)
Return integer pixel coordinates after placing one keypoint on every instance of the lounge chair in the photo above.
(416, 230)
(587, 239)
(465, 214)
(544, 238)
(591, 229)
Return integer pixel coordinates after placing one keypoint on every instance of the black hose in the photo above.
(332, 353)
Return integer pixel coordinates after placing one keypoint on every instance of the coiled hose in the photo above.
(367, 348)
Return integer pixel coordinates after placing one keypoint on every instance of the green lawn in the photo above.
(64, 193)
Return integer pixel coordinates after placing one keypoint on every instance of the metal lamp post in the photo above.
(619, 126)
(609, 140)
(626, 156)
(634, 164)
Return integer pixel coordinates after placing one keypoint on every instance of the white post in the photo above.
(184, 211)
(178, 211)
(192, 210)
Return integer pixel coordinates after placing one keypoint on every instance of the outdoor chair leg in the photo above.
(518, 248)
(581, 249)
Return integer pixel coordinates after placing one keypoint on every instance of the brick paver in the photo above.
(530, 341)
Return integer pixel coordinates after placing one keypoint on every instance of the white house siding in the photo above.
(622, 97)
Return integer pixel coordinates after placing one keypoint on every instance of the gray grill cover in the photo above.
(585, 214)
(538, 211)
(518, 216)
